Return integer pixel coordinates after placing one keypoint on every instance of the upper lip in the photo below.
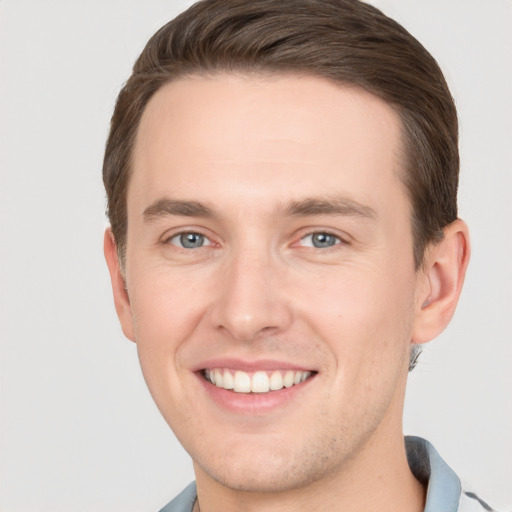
(250, 365)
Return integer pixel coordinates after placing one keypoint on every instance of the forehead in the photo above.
(263, 133)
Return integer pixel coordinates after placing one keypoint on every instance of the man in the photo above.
(281, 182)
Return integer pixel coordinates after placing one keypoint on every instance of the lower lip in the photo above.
(253, 403)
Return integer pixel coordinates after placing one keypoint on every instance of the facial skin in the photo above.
(263, 168)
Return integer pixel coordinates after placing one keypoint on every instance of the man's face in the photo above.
(269, 241)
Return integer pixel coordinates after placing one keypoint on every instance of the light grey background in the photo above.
(79, 431)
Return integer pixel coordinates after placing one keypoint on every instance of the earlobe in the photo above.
(121, 299)
(440, 282)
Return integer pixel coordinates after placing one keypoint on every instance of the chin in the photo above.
(263, 470)
(261, 480)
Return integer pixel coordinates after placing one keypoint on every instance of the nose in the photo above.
(251, 300)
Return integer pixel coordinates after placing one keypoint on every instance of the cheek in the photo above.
(364, 315)
(165, 312)
(165, 305)
(166, 308)
(366, 320)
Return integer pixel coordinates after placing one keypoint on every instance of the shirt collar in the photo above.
(443, 485)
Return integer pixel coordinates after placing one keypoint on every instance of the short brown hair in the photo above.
(345, 41)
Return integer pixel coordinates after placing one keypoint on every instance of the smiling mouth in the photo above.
(255, 382)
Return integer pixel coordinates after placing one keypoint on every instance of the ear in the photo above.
(440, 282)
(121, 299)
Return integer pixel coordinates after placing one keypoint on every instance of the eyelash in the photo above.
(338, 239)
(188, 233)
(178, 236)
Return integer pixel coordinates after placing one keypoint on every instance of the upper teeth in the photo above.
(257, 382)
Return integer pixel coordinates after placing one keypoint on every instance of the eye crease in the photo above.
(320, 240)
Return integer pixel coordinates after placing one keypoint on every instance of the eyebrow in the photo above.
(329, 206)
(165, 206)
(303, 208)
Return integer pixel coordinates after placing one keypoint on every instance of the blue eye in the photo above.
(320, 240)
(189, 240)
